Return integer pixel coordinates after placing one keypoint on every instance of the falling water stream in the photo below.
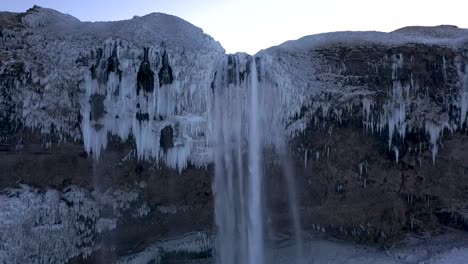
(241, 116)
(255, 226)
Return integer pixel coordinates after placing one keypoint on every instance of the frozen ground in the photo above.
(445, 249)
(449, 248)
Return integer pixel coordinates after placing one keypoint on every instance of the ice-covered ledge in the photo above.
(84, 81)
(411, 81)
(300, 93)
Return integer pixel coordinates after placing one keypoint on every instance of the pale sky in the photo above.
(251, 25)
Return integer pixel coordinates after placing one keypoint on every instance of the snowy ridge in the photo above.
(37, 17)
(440, 32)
(441, 35)
(149, 30)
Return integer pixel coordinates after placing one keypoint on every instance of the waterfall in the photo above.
(236, 118)
(255, 227)
(237, 184)
(243, 108)
(229, 186)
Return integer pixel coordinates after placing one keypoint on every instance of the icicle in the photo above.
(397, 119)
(305, 158)
(366, 111)
(395, 149)
(444, 67)
(434, 132)
(463, 107)
(317, 155)
(463, 84)
(397, 65)
(180, 104)
(394, 115)
(366, 108)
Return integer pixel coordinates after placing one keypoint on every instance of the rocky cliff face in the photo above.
(72, 90)
(376, 123)
(384, 126)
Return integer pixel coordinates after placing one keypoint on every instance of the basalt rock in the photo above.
(97, 107)
(113, 64)
(165, 73)
(167, 138)
(145, 77)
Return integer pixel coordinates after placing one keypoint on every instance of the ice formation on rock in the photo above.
(323, 91)
(397, 154)
(197, 242)
(463, 83)
(134, 83)
(305, 158)
(129, 110)
(82, 81)
(63, 224)
(434, 132)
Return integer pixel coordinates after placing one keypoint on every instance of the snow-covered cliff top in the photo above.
(437, 32)
(157, 28)
(151, 29)
(441, 35)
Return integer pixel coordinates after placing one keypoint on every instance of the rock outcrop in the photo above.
(376, 124)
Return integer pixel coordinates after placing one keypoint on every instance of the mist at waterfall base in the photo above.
(246, 128)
